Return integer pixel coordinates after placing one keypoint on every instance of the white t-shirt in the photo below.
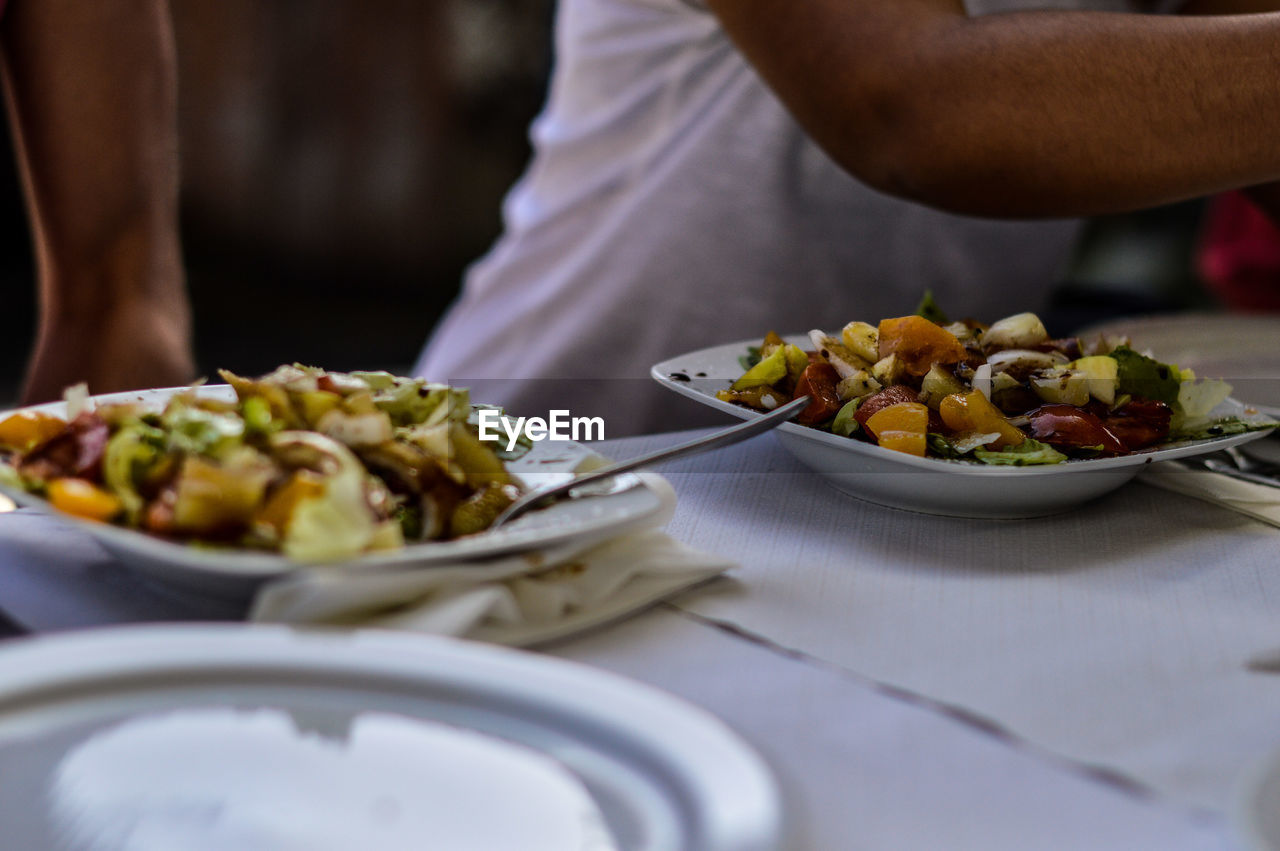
(673, 204)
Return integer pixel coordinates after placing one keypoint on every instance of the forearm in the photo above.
(91, 91)
(1024, 114)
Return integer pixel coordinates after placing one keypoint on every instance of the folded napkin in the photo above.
(520, 599)
(1258, 501)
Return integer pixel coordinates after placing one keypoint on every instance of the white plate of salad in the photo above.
(964, 418)
(217, 488)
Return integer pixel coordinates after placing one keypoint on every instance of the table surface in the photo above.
(1076, 681)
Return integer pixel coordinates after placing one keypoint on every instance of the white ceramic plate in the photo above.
(235, 574)
(928, 485)
(1241, 349)
(232, 736)
(1257, 809)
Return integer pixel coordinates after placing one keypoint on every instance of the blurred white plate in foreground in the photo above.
(266, 737)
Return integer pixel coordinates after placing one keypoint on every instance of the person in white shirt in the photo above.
(707, 172)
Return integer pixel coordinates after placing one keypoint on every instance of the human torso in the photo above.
(673, 204)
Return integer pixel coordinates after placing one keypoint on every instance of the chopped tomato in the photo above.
(891, 395)
(818, 382)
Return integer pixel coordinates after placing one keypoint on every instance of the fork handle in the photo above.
(727, 437)
(1215, 466)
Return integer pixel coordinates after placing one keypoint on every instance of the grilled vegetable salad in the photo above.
(1004, 393)
(316, 465)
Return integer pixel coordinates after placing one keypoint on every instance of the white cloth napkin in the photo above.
(1258, 501)
(521, 599)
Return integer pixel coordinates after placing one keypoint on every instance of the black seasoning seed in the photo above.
(679, 376)
(1214, 429)
(701, 374)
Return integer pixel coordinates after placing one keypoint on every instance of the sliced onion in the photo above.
(982, 380)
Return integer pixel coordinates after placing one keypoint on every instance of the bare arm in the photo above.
(1024, 114)
(92, 99)
(1267, 195)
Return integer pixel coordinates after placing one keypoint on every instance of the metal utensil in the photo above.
(1247, 463)
(1234, 466)
(715, 440)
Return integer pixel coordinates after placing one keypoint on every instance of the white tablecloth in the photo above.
(1077, 681)
(1116, 636)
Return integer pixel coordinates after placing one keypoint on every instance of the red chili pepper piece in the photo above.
(1140, 423)
(1073, 428)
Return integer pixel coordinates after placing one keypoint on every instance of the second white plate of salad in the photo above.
(228, 569)
(934, 485)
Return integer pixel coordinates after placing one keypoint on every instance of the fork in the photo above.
(1251, 464)
(715, 440)
(1240, 467)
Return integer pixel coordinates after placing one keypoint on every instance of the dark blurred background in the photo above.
(344, 160)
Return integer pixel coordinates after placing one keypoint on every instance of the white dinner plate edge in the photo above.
(695, 748)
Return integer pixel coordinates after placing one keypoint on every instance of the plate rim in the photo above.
(695, 750)
(662, 372)
(250, 565)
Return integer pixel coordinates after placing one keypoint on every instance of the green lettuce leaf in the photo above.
(929, 309)
(200, 432)
(844, 424)
(9, 476)
(1027, 453)
(130, 453)
(1221, 427)
(1139, 375)
(941, 446)
(410, 401)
